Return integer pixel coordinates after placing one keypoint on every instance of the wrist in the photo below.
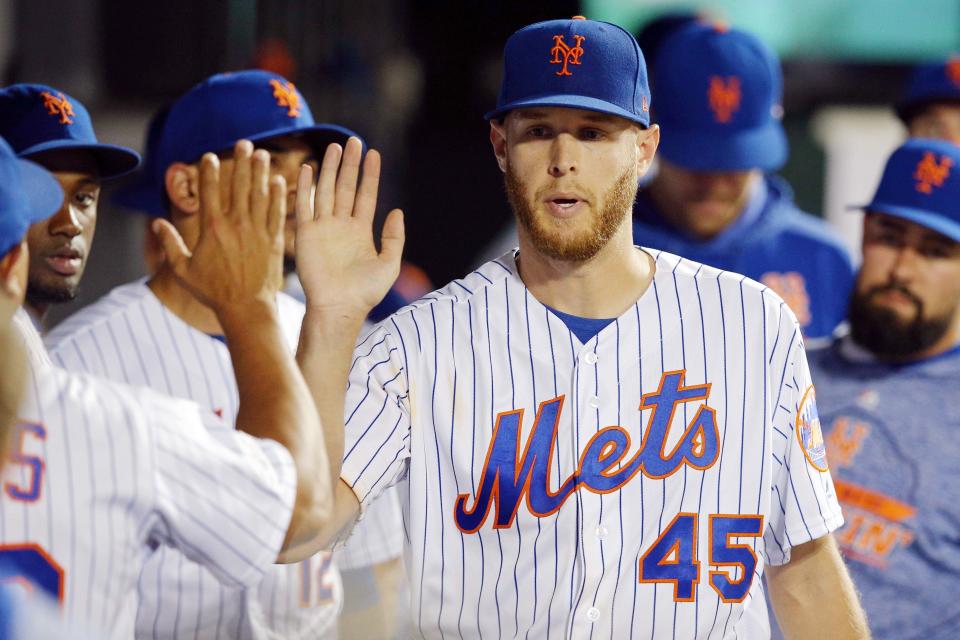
(247, 316)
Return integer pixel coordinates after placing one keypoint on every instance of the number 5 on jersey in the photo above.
(672, 557)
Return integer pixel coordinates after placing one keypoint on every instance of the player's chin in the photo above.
(53, 288)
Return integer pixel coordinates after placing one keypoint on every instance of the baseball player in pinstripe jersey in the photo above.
(597, 440)
(55, 130)
(100, 475)
(155, 333)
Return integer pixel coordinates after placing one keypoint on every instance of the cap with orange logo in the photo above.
(253, 105)
(719, 100)
(932, 82)
(579, 63)
(35, 118)
(921, 183)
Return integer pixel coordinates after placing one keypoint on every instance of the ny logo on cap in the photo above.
(930, 173)
(953, 70)
(58, 105)
(571, 55)
(724, 97)
(287, 96)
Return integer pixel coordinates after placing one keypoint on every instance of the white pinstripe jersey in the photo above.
(101, 476)
(130, 336)
(615, 489)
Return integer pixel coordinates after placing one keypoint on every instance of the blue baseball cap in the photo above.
(921, 183)
(142, 190)
(931, 82)
(579, 63)
(253, 105)
(719, 100)
(28, 194)
(35, 118)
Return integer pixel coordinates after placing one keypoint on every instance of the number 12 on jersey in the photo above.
(672, 557)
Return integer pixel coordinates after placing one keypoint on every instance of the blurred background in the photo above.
(414, 77)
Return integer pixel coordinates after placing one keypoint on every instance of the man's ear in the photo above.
(182, 183)
(12, 268)
(498, 138)
(647, 142)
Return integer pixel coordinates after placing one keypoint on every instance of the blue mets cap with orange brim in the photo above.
(577, 63)
(28, 194)
(36, 118)
(921, 184)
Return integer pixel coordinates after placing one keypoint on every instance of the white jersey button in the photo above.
(593, 614)
(594, 401)
(602, 532)
(590, 357)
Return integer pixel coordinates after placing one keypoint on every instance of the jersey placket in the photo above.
(590, 408)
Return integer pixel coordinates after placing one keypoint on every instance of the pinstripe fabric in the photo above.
(131, 337)
(126, 471)
(424, 398)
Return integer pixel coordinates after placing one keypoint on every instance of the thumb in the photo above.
(174, 248)
(391, 241)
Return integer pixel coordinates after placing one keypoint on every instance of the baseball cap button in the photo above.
(578, 18)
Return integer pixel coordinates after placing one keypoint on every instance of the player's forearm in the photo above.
(813, 595)
(324, 355)
(275, 403)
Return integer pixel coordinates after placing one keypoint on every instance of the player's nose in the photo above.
(564, 155)
(66, 222)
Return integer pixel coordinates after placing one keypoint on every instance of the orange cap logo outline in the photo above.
(931, 173)
(724, 97)
(953, 69)
(286, 95)
(58, 105)
(570, 55)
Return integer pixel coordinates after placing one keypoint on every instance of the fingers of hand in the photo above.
(347, 178)
(366, 204)
(174, 248)
(210, 203)
(304, 205)
(260, 187)
(240, 185)
(278, 205)
(326, 184)
(391, 241)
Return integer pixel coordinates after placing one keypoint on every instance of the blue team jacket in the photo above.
(794, 253)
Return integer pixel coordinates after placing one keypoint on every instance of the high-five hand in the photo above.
(337, 261)
(240, 249)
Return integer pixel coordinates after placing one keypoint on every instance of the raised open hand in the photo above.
(337, 261)
(238, 256)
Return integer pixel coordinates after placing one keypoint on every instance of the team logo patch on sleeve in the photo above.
(809, 432)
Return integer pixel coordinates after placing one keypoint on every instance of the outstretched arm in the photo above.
(343, 276)
(233, 270)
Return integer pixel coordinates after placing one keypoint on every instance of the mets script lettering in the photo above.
(509, 477)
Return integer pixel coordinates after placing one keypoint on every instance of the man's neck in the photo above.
(603, 287)
(37, 312)
(182, 304)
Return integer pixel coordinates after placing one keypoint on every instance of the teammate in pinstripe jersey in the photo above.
(154, 333)
(100, 475)
(54, 129)
(596, 440)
